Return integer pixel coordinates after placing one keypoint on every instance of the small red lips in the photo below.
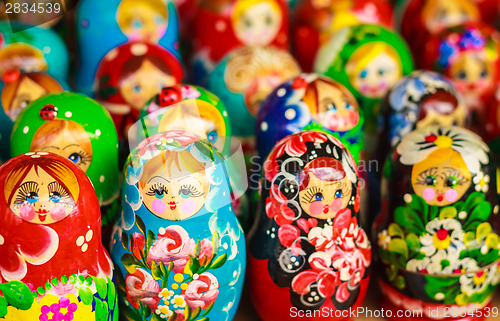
(42, 215)
(440, 198)
(173, 205)
(326, 209)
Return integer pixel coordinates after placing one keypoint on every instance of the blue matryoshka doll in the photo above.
(178, 248)
(105, 25)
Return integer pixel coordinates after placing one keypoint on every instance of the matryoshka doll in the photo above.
(419, 19)
(53, 265)
(179, 249)
(438, 245)
(316, 21)
(105, 25)
(368, 60)
(129, 76)
(469, 56)
(420, 99)
(308, 252)
(78, 128)
(221, 26)
(243, 80)
(18, 90)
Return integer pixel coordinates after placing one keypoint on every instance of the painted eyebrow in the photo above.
(159, 177)
(45, 147)
(71, 145)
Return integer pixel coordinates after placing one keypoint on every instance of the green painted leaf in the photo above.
(411, 221)
(482, 231)
(163, 269)
(215, 244)
(197, 249)
(85, 295)
(448, 212)
(399, 282)
(480, 213)
(462, 299)
(395, 230)
(125, 240)
(131, 314)
(218, 262)
(474, 199)
(17, 294)
(3, 307)
(112, 298)
(391, 272)
(102, 287)
(116, 314)
(150, 239)
(156, 271)
(187, 312)
(130, 263)
(208, 309)
(188, 267)
(492, 241)
(140, 224)
(101, 310)
(413, 242)
(173, 317)
(195, 313)
(469, 237)
(398, 246)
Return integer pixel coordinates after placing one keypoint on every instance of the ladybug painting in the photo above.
(48, 112)
(169, 96)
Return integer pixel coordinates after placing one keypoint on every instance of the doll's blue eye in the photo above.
(363, 74)
(75, 158)
(318, 196)
(338, 193)
(348, 106)
(137, 88)
(137, 24)
(332, 107)
(159, 193)
(185, 193)
(381, 72)
(158, 19)
(212, 136)
(462, 75)
(55, 197)
(484, 74)
(32, 197)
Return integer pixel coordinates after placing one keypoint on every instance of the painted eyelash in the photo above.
(310, 193)
(191, 189)
(455, 173)
(156, 187)
(58, 188)
(84, 158)
(423, 176)
(24, 190)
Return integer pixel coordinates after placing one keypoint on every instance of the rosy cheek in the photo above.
(353, 117)
(428, 194)
(451, 195)
(336, 205)
(158, 206)
(57, 213)
(27, 212)
(316, 208)
(188, 206)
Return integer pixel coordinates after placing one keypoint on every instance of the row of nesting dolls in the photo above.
(138, 53)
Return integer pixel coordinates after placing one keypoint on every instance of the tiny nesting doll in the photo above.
(18, 90)
(437, 238)
(221, 26)
(308, 251)
(104, 25)
(420, 99)
(419, 19)
(53, 265)
(316, 21)
(469, 56)
(244, 79)
(78, 128)
(129, 76)
(178, 248)
(368, 60)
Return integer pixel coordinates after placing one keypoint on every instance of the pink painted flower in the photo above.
(138, 249)
(173, 245)
(179, 315)
(288, 234)
(203, 291)
(277, 208)
(189, 92)
(205, 252)
(142, 288)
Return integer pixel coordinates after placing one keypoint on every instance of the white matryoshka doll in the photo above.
(438, 245)
(179, 248)
(53, 265)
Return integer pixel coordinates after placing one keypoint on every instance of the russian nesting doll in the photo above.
(243, 80)
(368, 60)
(18, 90)
(308, 251)
(316, 21)
(438, 245)
(53, 265)
(78, 128)
(33, 50)
(129, 76)
(221, 26)
(419, 19)
(178, 239)
(420, 99)
(469, 56)
(104, 25)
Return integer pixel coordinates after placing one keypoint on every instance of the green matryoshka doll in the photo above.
(368, 60)
(80, 129)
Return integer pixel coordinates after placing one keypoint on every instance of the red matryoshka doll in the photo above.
(221, 26)
(437, 233)
(53, 265)
(469, 56)
(315, 21)
(308, 252)
(129, 76)
(418, 19)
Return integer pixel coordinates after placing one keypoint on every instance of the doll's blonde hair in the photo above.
(242, 6)
(125, 10)
(467, 5)
(438, 156)
(367, 52)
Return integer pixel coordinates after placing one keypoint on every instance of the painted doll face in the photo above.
(441, 108)
(443, 14)
(176, 197)
(324, 199)
(141, 22)
(336, 111)
(377, 76)
(143, 84)
(442, 184)
(258, 25)
(68, 143)
(471, 74)
(259, 89)
(41, 199)
(27, 92)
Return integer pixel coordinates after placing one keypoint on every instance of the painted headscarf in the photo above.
(302, 249)
(294, 106)
(175, 258)
(44, 119)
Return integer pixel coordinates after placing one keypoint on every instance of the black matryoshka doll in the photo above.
(308, 251)
(438, 246)
(53, 265)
